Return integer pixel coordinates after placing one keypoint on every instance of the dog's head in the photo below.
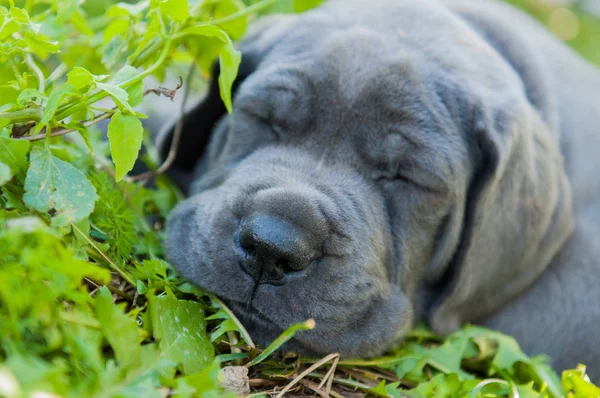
(377, 167)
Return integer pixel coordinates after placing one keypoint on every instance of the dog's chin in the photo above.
(263, 332)
(375, 327)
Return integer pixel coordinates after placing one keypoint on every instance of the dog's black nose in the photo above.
(273, 247)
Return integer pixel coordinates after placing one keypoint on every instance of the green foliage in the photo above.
(12, 157)
(88, 307)
(57, 188)
(179, 326)
(113, 220)
(577, 22)
(125, 133)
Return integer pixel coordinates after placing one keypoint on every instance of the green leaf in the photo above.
(12, 155)
(20, 15)
(3, 123)
(447, 357)
(120, 22)
(83, 339)
(579, 383)
(66, 8)
(140, 287)
(229, 59)
(120, 330)
(177, 10)
(387, 390)
(80, 78)
(235, 28)
(28, 95)
(180, 327)
(125, 133)
(135, 91)
(54, 185)
(508, 351)
(152, 32)
(9, 27)
(205, 31)
(544, 374)
(154, 273)
(80, 24)
(305, 5)
(5, 174)
(227, 325)
(206, 383)
(112, 51)
(40, 45)
(118, 94)
(53, 103)
(528, 391)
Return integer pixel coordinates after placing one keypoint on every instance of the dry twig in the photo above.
(176, 135)
(329, 376)
(302, 375)
(167, 92)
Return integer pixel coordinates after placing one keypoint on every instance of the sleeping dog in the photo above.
(395, 161)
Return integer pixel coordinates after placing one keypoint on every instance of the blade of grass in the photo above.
(279, 341)
(231, 357)
(237, 322)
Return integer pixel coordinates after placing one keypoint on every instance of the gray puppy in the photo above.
(393, 161)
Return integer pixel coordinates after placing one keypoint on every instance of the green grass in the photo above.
(581, 27)
(88, 306)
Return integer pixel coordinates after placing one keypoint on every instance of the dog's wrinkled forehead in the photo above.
(342, 63)
(351, 42)
(345, 85)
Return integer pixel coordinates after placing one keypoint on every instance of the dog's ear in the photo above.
(518, 214)
(201, 118)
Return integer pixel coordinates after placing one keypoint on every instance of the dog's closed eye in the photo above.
(264, 120)
(407, 174)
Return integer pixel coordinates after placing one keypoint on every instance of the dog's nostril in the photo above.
(249, 248)
(284, 265)
(273, 247)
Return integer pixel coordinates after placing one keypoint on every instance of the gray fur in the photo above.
(445, 154)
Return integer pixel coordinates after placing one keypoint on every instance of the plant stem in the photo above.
(102, 94)
(114, 266)
(246, 11)
(23, 115)
(37, 71)
(60, 132)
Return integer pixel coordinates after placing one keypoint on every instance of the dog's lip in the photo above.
(253, 314)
